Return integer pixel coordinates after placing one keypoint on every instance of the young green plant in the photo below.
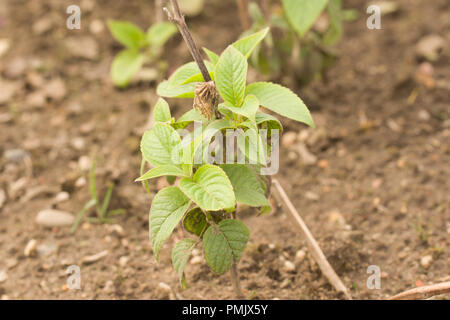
(104, 215)
(140, 48)
(205, 193)
(303, 36)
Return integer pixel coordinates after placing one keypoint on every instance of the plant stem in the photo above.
(236, 282)
(243, 14)
(177, 17)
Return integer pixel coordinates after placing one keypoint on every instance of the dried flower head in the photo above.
(206, 99)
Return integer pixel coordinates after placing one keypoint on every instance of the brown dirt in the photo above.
(379, 194)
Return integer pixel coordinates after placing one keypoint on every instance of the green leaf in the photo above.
(188, 73)
(248, 44)
(272, 122)
(212, 56)
(251, 144)
(180, 256)
(128, 34)
(161, 112)
(231, 75)
(195, 222)
(209, 188)
(182, 91)
(159, 33)
(168, 208)
(225, 243)
(303, 13)
(191, 116)
(246, 185)
(164, 170)
(281, 100)
(125, 65)
(161, 145)
(248, 108)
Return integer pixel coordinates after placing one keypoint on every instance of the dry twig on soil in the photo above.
(313, 246)
(423, 292)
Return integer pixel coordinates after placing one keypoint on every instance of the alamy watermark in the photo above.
(374, 20)
(374, 281)
(74, 20)
(74, 280)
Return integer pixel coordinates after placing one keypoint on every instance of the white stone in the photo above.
(54, 218)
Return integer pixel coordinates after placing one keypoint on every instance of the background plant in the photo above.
(140, 48)
(204, 198)
(302, 38)
(104, 215)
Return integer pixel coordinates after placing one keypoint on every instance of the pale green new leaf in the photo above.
(209, 188)
(251, 144)
(188, 73)
(161, 112)
(225, 243)
(246, 184)
(165, 170)
(128, 34)
(281, 100)
(212, 56)
(248, 109)
(248, 44)
(231, 76)
(168, 208)
(303, 13)
(182, 91)
(159, 33)
(270, 121)
(161, 145)
(180, 256)
(125, 65)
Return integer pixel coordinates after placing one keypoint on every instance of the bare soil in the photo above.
(377, 195)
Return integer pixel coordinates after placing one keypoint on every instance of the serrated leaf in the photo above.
(191, 116)
(246, 185)
(161, 112)
(125, 65)
(248, 108)
(247, 44)
(271, 121)
(182, 91)
(161, 145)
(212, 56)
(158, 34)
(165, 170)
(231, 76)
(128, 34)
(168, 208)
(225, 243)
(251, 144)
(195, 222)
(209, 188)
(303, 13)
(281, 100)
(180, 256)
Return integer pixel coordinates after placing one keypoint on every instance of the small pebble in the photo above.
(30, 248)
(123, 261)
(289, 266)
(300, 255)
(288, 139)
(94, 258)
(426, 261)
(196, 260)
(3, 276)
(61, 197)
(54, 218)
